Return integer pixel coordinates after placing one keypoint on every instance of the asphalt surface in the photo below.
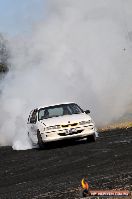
(56, 172)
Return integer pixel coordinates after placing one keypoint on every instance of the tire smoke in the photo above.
(81, 52)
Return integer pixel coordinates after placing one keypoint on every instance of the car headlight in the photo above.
(85, 122)
(52, 127)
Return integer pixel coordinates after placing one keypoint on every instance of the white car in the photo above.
(60, 122)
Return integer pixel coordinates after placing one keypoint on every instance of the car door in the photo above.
(32, 126)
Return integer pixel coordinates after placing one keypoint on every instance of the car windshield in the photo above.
(58, 110)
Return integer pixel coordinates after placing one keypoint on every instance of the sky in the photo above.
(16, 16)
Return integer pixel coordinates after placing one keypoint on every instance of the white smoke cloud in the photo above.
(81, 52)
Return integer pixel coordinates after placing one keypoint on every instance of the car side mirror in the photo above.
(87, 111)
(32, 120)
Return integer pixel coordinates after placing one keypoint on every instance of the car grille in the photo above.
(69, 125)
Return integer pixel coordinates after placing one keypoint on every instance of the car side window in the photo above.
(33, 118)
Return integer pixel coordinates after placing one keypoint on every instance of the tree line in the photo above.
(4, 54)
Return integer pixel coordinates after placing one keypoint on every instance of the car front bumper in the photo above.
(56, 136)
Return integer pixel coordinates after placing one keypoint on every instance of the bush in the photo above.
(3, 68)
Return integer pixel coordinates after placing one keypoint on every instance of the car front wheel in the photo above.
(40, 141)
(91, 138)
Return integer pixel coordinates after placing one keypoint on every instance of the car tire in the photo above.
(91, 138)
(40, 141)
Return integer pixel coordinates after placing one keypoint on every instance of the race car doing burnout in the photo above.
(60, 122)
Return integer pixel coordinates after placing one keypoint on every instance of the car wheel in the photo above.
(40, 141)
(91, 138)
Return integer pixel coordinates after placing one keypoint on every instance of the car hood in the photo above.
(65, 119)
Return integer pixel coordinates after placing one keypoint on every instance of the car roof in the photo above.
(55, 104)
